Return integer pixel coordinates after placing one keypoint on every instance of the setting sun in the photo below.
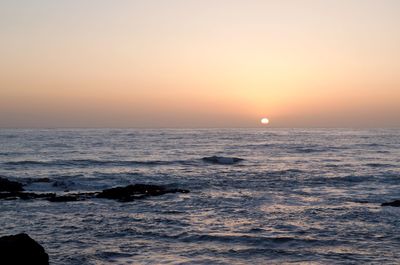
(264, 121)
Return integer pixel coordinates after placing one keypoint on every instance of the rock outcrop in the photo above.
(395, 203)
(222, 160)
(137, 191)
(21, 249)
(10, 186)
(13, 190)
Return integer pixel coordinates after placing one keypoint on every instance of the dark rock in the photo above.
(65, 198)
(21, 249)
(41, 180)
(27, 195)
(11, 186)
(395, 203)
(29, 181)
(40, 195)
(137, 191)
(222, 160)
(362, 201)
(128, 193)
(9, 195)
(37, 180)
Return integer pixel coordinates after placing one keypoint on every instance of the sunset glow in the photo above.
(199, 63)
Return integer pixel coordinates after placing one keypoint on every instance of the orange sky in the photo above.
(188, 63)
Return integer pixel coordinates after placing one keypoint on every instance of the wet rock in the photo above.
(362, 201)
(32, 195)
(127, 193)
(41, 180)
(21, 249)
(395, 203)
(9, 195)
(10, 186)
(137, 191)
(65, 198)
(222, 160)
(29, 195)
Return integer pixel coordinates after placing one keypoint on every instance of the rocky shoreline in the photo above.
(21, 249)
(11, 190)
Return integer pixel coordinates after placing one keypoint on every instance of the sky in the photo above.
(199, 63)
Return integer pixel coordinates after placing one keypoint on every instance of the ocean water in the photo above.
(299, 197)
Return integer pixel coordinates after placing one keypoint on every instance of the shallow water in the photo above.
(300, 196)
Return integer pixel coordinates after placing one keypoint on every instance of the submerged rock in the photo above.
(71, 197)
(222, 160)
(63, 184)
(10, 186)
(137, 191)
(41, 180)
(37, 180)
(21, 249)
(395, 203)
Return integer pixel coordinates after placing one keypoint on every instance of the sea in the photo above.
(300, 196)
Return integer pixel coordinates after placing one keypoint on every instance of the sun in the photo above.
(264, 121)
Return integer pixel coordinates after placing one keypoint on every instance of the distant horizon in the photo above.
(191, 128)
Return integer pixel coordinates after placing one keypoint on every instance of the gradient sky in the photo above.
(200, 63)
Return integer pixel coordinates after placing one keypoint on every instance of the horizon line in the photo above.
(193, 128)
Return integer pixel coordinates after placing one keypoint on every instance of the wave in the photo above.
(246, 239)
(372, 145)
(310, 150)
(25, 162)
(379, 165)
(10, 136)
(317, 149)
(285, 172)
(93, 162)
(352, 179)
(9, 153)
(388, 177)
